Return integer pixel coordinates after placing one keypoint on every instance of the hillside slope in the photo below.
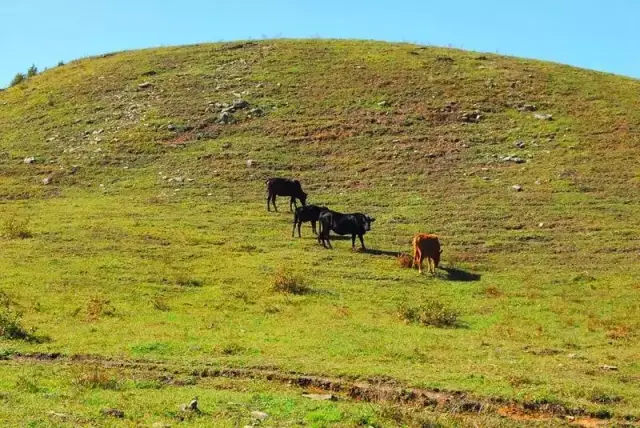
(149, 236)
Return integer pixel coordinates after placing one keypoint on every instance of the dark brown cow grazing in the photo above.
(426, 246)
(284, 187)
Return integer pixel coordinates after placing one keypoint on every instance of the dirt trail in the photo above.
(375, 391)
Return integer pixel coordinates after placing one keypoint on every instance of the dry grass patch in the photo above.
(431, 313)
(285, 281)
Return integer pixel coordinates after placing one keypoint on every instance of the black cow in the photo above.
(344, 224)
(285, 187)
(304, 214)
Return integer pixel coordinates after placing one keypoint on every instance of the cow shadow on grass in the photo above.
(455, 274)
(374, 252)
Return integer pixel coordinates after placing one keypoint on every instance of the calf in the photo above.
(285, 187)
(305, 214)
(426, 246)
(343, 224)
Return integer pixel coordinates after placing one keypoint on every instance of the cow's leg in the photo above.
(353, 240)
(292, 203)
(295, 222)
(273, 201)
(269, 201)
(362, 242)
(299, 226)
(420, 264)
(313, 227)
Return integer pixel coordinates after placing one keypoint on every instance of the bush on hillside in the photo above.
(285, 281)
(32, 71)
(432, 313)
(17, 79)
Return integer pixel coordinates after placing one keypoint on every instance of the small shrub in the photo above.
(95, 378)
(232, 349)
(603, 397)
(285, 281)
(60, 64)
(17, 79)
(188, 282)
(15, 228)
(492, 291)
(432, 313)
(11, 326)
(160, 304)
(25, 384)
(97, 307)
(32, 71)
(405, 261)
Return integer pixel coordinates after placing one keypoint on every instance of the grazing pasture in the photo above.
(137, 238)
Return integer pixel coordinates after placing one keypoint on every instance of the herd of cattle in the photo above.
(425, 246)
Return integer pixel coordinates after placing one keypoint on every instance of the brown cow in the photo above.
(426, 246)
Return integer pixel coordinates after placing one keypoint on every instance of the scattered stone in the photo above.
(538, 182)
(528, 107)
(513, 159)
(542, 225)
(261, 416)
(486, 178)
(519, 144)
(250, 163)
(471, 117)
(383, 104)
(116, 413)
(465, 146)
(257, 112)
(543, 116)
(608, 367)
(517, 187)
(145, 85)
(74, 169)
(171, 127)
(259, 85)
(226, 118)
(47, 180)
(29, 160)
(240, 104)
(431, 155)
(226, 145)
(320, 397)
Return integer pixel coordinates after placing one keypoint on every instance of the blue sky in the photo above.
(601, 35)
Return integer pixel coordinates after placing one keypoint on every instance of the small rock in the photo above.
(320, 397)
(542, 225)
(256, 112)
(543, 116)
(486, 178)
(608, 367)
(538, 182)
(259, 85)
(29, 160)
(226, 118)
(517, 187)
(430, 155)
(383, 104)
(226, 145)
(145, 85)
(116, 413)
(240, 104)
(47, 180)
(261, 416)
(513, 159)
(519, 144)
(471, 117)
(171, 127)
(528, 107)
(74, 169)
(250, 163)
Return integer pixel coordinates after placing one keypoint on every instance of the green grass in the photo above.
(122, 260)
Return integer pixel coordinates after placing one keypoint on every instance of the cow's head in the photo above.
(436, 259)
(303, 198)
(367, 222)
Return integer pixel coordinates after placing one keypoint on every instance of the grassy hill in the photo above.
(139, 233)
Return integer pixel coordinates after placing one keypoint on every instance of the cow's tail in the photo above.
(416, 252)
